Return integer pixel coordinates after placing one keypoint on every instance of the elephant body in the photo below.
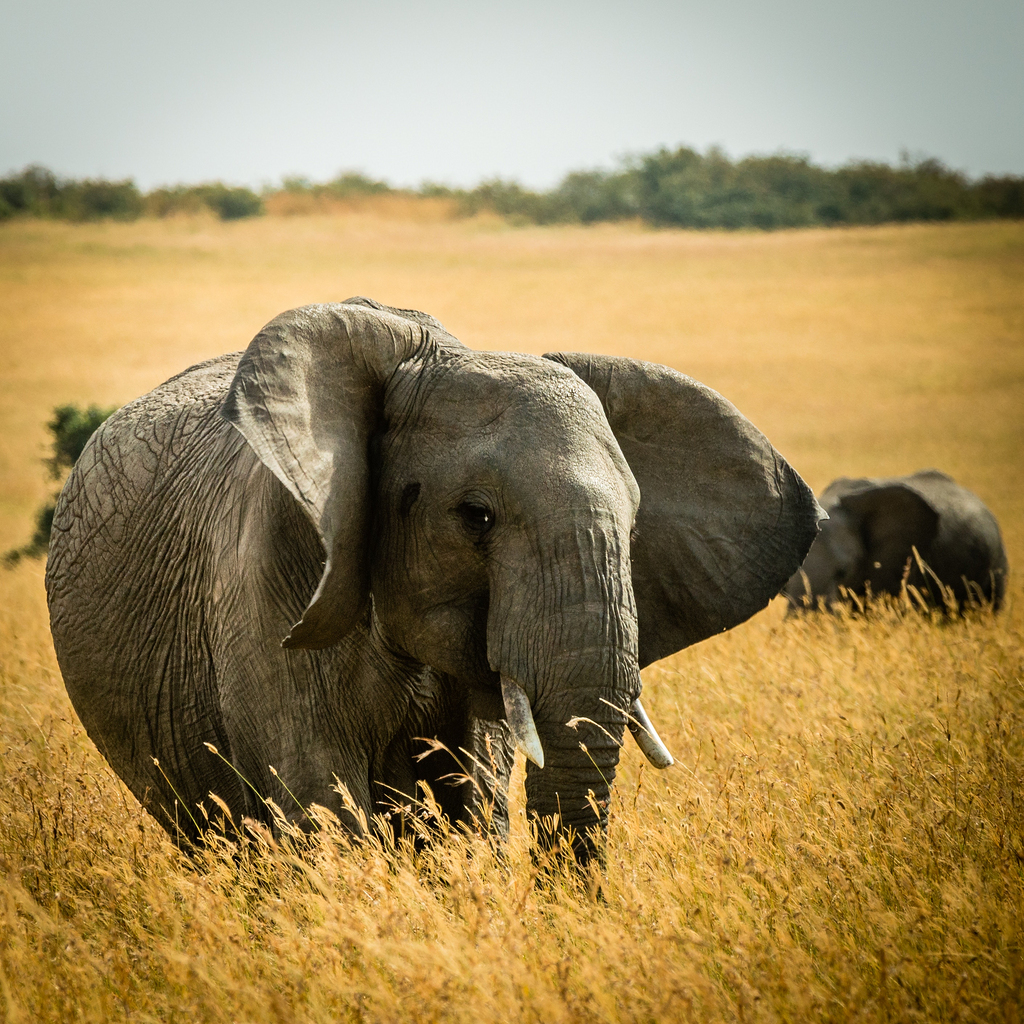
(875, 527)
(282, 573)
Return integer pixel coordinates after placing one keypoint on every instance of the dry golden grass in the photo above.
(843, 834)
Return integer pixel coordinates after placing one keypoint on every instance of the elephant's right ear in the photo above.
(724, 520)
(307, 396)
(893, 518)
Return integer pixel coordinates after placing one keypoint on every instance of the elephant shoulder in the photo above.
(968, 525)
(156, 426)
(931, 478)
(143, 461)
(953, 502)
(191, 392)
(215, 373)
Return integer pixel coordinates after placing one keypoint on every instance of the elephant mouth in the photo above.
(527, 739)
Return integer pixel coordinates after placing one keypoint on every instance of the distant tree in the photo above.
(591, 196)
(1000, 197)
(175, 199)
(34, 191)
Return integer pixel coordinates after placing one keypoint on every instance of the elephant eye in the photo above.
(476, 518)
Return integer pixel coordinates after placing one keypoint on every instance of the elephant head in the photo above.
(539, 527)
(872, 530)
(923, 530)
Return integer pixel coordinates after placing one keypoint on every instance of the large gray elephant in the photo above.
(874, 528)
(359, 533)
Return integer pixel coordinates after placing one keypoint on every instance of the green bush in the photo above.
(227, 202)
(347, 185)
(352, 183)
(231, 203)
(38, 192)
(168, 201)
(1000, 197)
(71, 428)
(98, 200)
(34, 191)
(591, 196)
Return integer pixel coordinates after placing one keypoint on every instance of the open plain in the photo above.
(842, 836)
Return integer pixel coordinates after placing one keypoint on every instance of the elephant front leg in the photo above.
(472, 776)
(464, 758)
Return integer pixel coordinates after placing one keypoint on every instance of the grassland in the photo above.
(842, 837)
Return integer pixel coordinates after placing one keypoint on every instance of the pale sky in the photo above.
(451, 91)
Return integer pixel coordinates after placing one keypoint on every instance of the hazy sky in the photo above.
(456, 91)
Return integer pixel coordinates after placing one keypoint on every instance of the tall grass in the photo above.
(841, 837)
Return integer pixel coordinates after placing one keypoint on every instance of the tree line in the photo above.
(38, 192)
(681, 188)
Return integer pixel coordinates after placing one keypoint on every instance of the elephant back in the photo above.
(968, 543)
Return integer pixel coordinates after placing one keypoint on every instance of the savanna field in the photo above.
(842, 835)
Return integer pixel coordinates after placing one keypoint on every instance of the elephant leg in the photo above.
(489, 746)
(470, 777)
(465, 761)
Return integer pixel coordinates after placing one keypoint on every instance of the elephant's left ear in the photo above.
(724, 520)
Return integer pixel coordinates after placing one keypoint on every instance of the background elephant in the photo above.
(873, 527)
(452, 544)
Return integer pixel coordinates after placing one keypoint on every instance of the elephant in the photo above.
(873, 530)
(287, 574)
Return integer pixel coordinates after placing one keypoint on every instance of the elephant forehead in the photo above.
(510, 416)
(508, 391)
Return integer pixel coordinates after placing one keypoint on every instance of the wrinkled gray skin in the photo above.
(873, 527)
(474, 511)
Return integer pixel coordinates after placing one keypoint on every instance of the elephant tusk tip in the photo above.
(666, 760)
(520, 721)
(647, 738)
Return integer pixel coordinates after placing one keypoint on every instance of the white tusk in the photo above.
(520, 719)
(647, 739)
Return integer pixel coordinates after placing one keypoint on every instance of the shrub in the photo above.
(352, 183)
(684, 188)
(168, 201)
(40, 193)
(97, 200)
(71, 428)
(681, 188)
(591, 196)
(1000, 197)
(231, 203)
(37, 192)
(34, 191)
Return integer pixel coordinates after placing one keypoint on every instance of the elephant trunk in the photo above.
(568, 797)
(580, 727)
(564, 640)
